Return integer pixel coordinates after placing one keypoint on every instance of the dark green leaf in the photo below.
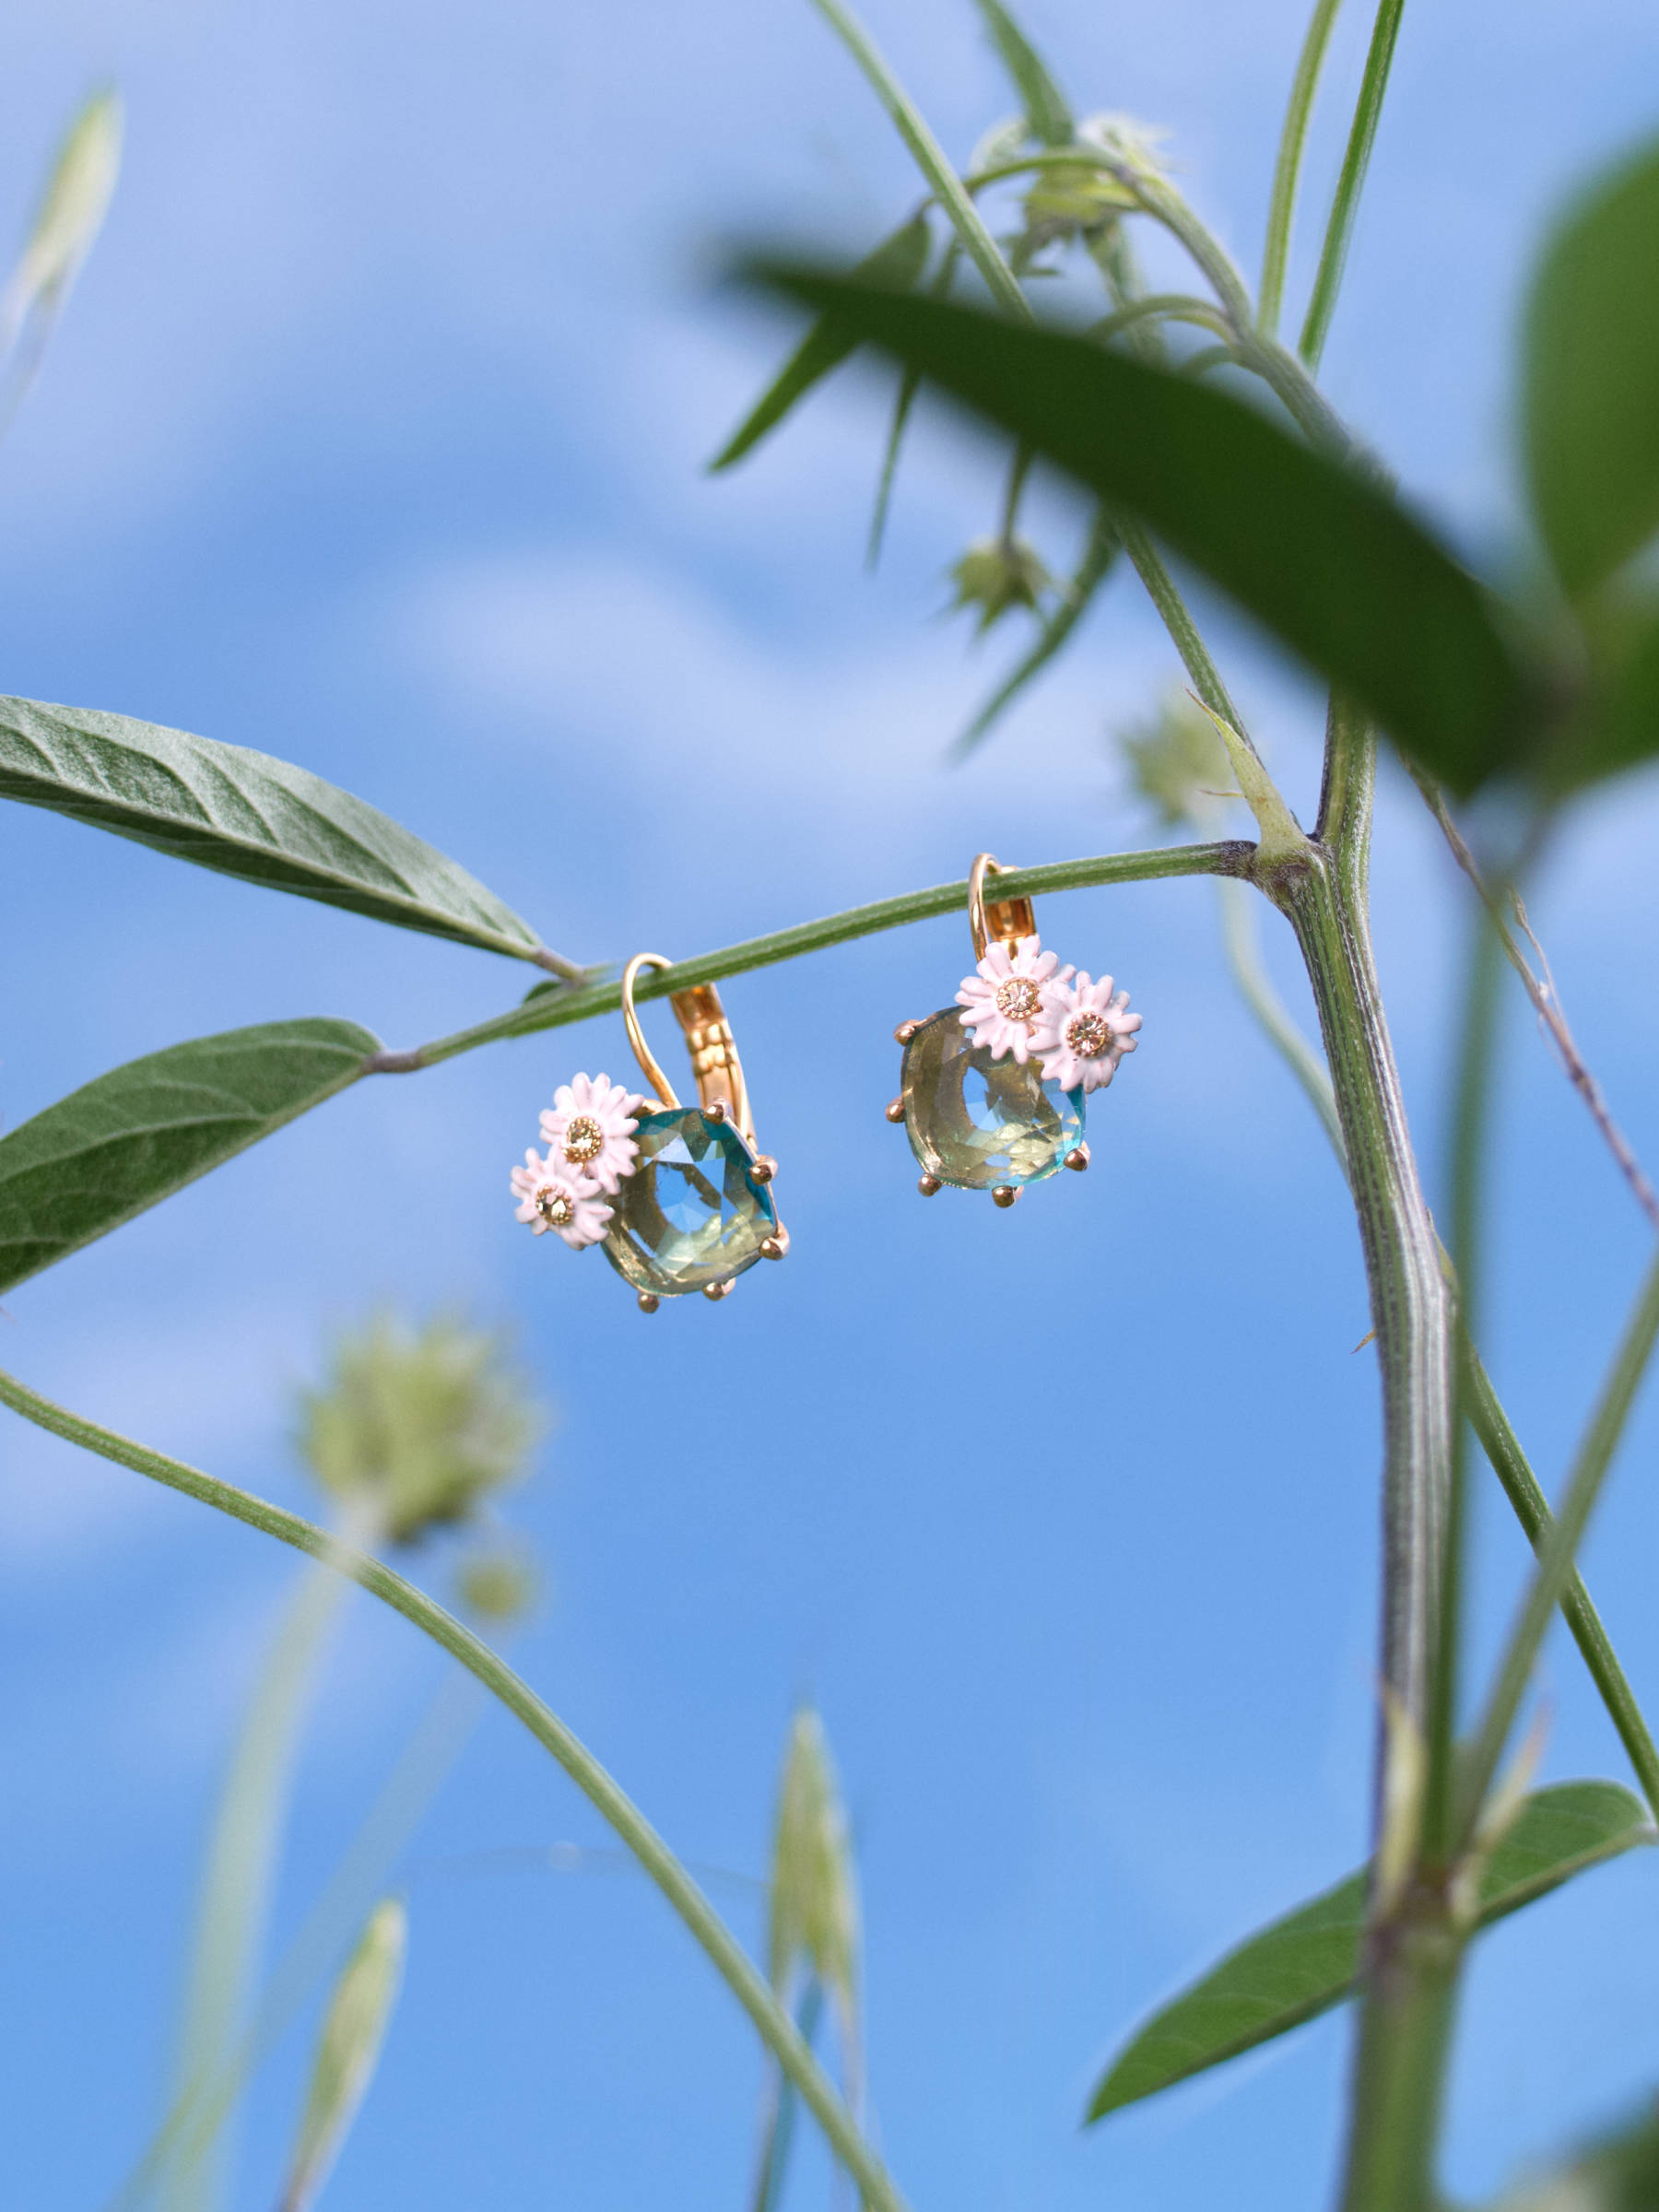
(896, 263)
(1308, 1962)
(1045, 110)
(1619, 2174)
(130, 1138)
(1592, 378)
(247, 815)
(1092, 570)
(1322, 557)
(1626, 731)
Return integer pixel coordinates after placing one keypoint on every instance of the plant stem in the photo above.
(548, 1009)
(929, 156)
(1339, 229)
(1555, 1568)
(1521, 1486)
(1400, 2069)
(776, 2030)
(1281, 211)
(1183, 630)
(1410, 1971)
(1479, 1033)
(1322, 892)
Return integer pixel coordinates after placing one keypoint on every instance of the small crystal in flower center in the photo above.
(1020, 999)
(1087, 1035)
(584, 1140)
(555, 1208)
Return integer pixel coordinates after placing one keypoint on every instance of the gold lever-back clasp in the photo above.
(1005, 920)
(714, 1063)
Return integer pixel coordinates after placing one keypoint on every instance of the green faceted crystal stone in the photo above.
(691, 1213)
(976, 1122)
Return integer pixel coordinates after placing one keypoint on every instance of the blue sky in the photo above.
(373, 438)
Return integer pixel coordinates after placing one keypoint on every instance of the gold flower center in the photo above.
(1087, 1035)
(583, 1139)
(1018, 999)
(555, 1208)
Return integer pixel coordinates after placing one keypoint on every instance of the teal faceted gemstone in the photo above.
(976, 1122)
(691, 1213)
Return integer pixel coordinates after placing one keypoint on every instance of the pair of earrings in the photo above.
(992, 1099)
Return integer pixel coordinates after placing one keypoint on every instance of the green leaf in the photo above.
(353, 2031)
(1319, 554)
(898, 262)
(245, 814)
(1591, 403)
(1308, 1962)
(1045, 109)
(132, 1138)
(1626, 731)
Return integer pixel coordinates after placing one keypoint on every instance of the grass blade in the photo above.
(1344, 207)
(1044, 105)
(1287, 172)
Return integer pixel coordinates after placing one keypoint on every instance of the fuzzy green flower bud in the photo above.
(498, 1587)
(996, 573)
(419, 1426)
(1178, 763)
(348, 2050)
(814, 1911)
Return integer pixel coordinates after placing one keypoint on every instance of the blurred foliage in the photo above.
(1177, 764)
(1618, 2174)
(997, 574)
(422, 1424)
(498, 1586)
(354, 2028)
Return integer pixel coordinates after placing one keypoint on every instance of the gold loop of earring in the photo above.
(721, 1088)
(1006, 920)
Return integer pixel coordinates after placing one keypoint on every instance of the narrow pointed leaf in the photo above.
(132, 1138)
(1591, 417)
(245, 814)
(898, 262)
(1308, 1962)
(1322, 557)
(1045, 109)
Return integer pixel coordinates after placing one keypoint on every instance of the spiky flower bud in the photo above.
(1177, 764)
(419, 1426)
(996, 573)
(498, 1587)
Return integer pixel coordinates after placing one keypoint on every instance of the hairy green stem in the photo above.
(1287, 171)
(1555, 1567)
(1183, 630)
(1324, 895)
(1345, 206)
(1521, 1488)
(551, 1009)
(776, 2030)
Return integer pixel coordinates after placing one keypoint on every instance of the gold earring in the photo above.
(994, 1087)
(693, 1206)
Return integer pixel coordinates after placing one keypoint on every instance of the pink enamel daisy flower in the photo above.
(1002, 1000)
(551, 1198)
(1083, 1032)
(588, 1130)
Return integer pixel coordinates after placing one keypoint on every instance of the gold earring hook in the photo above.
(1006, 920)
(721, 1088)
